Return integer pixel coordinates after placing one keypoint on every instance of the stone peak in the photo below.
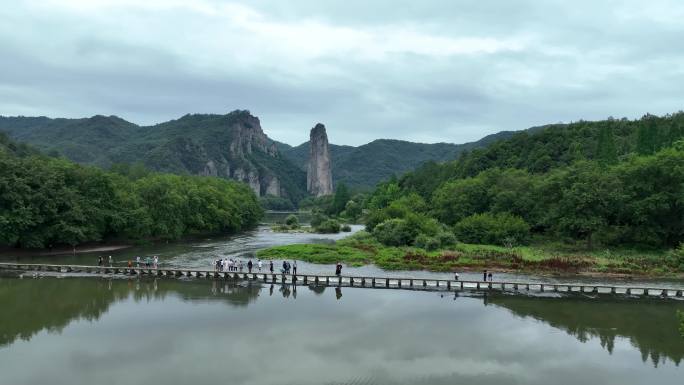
(318, 130)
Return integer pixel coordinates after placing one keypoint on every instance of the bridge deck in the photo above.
(357, 281)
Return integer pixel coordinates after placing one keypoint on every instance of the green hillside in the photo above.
(232, 146)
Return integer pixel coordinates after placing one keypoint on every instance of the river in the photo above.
(77, 330)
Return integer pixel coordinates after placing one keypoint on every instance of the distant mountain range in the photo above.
(230, 146)
(364, 166)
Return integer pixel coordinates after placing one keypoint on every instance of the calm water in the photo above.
(128, 331)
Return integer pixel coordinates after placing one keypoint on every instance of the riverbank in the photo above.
(362, 249)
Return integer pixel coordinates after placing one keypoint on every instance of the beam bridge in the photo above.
(430, 284)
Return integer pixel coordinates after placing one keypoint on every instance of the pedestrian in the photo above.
(130, 263)
(484, 275)
(137, 261)
(259, 264)
(338, 269)
(110, 261)
(294, 267)
(156, 262)
(490, 277)
(148, 262)
(271, 266)
(456, 276)
(100, 261)
(241, 265)
(284, 267)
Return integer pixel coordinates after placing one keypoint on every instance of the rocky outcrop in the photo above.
(319, 174)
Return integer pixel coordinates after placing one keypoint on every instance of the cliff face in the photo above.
(319, 174)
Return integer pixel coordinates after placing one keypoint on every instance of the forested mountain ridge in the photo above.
(364, 166)
(544, 148)
(232, 146)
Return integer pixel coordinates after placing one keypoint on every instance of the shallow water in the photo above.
(128, 331)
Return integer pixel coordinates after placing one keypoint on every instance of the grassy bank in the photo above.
(361, 249)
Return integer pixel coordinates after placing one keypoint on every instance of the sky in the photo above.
(426, 71)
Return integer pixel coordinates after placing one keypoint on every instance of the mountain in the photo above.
(230, 146)
(364, 166)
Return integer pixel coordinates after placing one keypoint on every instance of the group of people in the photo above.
(148, 262)
(287, 267)
(230, 264)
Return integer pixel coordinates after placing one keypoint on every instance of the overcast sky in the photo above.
(429, 71)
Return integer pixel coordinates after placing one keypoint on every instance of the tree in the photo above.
(606, 153)
(342, 196)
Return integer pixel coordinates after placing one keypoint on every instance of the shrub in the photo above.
(317, 219)
(395, 232)
(329, 226)
(426, 242)
(292, 221)
(345, 228)
(446, 239)
(496, 229)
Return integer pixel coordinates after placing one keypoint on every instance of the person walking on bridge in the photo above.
(137, 261)
(271, 266)
(338, 269)
(249, 265)
(259, 264)
(484, 276)
(294, 267)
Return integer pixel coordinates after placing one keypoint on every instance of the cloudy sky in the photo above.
(426, 71)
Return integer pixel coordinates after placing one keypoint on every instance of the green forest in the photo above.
(567, 193)
(46, 202)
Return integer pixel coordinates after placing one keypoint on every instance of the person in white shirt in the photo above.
(259, 264)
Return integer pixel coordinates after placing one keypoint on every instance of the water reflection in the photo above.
(50, 304)
(650, 326)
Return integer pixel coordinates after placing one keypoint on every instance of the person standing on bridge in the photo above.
(284, 267)
(271, 266)
(249, 265)
(294, 267)
(110, 261)
(259, 264)
(100, 261)
(137, 261)
(484, 276)
(156, 262)
(490, 277)
(338, 269)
